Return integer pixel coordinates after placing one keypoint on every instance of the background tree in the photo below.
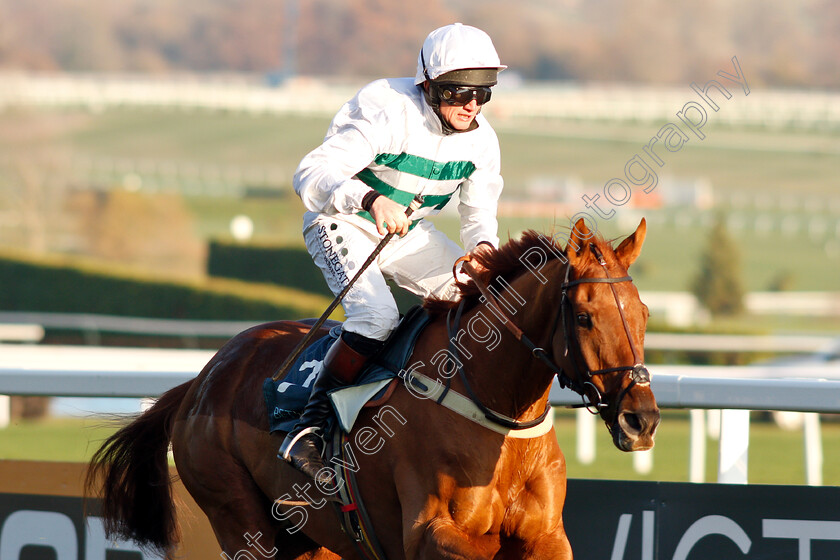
(151, 231)
(780, 43)
(718, 285)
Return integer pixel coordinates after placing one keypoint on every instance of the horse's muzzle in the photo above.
(634, 430)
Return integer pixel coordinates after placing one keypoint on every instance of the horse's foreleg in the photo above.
(551, 546)
(443, 540)
(446, 541)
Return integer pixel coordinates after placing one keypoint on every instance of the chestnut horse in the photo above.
(435, 484)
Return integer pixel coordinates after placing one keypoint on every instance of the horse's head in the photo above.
(596, 344)
(603, 338)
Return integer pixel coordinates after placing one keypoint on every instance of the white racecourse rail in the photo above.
(123, 372)
(251, 94)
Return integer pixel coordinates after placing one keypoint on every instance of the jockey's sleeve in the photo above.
(478, 225)
(324, 179)
(479, 201)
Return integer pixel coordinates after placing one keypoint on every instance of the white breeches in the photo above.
(421, 262)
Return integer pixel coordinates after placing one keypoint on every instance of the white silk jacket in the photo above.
(389, 139)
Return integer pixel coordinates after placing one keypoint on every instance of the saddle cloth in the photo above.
(287, 397)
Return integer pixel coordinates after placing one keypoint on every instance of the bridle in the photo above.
(582, 380)
(638, 371)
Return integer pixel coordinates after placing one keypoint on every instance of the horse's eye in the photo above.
(584, 320)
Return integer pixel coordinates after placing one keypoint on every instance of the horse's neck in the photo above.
(503, 372)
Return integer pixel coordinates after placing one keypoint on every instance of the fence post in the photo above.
(734, 446)
(813, 449)
(643, 461)
(5, 411)
(585, 436)
(697, 449)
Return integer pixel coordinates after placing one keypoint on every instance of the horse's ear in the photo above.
(630, 248)
(578, 242)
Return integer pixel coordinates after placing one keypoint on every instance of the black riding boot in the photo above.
(302, 446)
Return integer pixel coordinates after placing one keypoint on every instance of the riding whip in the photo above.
(290, 359)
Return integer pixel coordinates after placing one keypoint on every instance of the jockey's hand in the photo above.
(480, 249)
(389, 216)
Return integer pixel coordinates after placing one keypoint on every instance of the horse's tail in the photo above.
(132, 466)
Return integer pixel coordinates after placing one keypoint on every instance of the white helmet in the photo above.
(458, 47)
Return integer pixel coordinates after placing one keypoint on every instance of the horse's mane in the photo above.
(506, 263)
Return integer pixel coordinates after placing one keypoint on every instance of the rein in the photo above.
(491, 415)
(638, 372)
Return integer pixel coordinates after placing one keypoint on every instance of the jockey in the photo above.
(395, 139)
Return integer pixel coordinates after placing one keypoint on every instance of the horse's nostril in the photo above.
(632, 422)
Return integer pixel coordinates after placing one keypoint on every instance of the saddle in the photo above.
(287, 397)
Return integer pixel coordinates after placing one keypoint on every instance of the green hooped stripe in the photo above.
(436, 201)
(420, 167)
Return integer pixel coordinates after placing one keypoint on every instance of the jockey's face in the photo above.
(459, 117)
(454, 107)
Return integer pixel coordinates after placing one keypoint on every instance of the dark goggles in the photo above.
(461, 95)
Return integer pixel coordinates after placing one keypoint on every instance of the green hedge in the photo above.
(64, 286)
(291, 267)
